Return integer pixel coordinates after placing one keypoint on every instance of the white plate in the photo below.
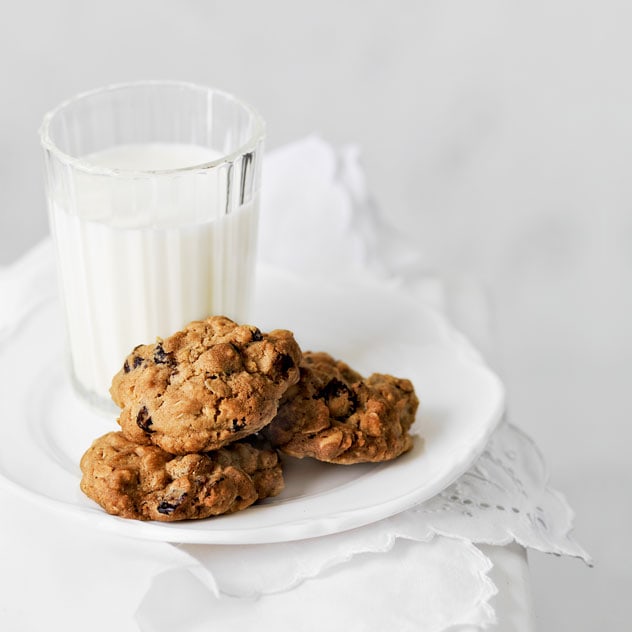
(374, 327)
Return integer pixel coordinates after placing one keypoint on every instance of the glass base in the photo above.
(102, 405)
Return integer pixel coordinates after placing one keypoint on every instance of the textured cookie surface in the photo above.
(146, 483)
(333, 414)
(210, 384)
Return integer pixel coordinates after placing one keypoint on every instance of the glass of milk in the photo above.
(153, 195)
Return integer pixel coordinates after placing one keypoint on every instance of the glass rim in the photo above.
(81, 164)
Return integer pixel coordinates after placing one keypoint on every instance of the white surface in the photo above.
(496, 134)
(463, 402)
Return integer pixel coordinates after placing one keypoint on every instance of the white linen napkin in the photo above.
(427, 587)
(318, 217)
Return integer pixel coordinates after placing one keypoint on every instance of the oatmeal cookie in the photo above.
(146, 483)
(333, 414)
(210, 384)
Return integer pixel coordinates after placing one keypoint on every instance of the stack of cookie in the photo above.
(204, 411)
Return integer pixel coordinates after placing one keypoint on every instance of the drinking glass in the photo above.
(153, 196)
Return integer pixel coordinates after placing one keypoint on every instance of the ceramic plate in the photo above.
(374, 327)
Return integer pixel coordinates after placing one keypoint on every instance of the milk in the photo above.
(128, 277)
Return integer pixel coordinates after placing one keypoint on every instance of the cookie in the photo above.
(333, 414)
(146, 483)
(210, 384)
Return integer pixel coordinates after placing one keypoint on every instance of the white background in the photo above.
(496, 135)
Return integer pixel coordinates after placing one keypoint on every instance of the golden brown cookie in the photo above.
(333, 414)
(210, 384)
(147, 483)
